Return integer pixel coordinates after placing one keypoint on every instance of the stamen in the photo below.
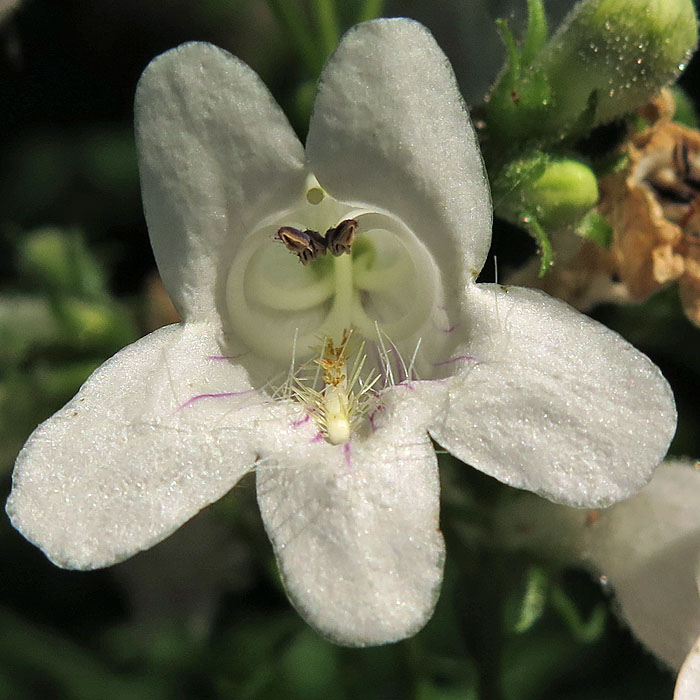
(307, 244)
(337, 407)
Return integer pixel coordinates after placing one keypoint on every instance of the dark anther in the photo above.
(339, 239)
(308, 244)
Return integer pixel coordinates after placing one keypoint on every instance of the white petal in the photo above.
(216, 154)
(658, 597)
(649, 548)
(554, 402)
(688, 684)
(390, 129)
(355, 529)
(135, 454)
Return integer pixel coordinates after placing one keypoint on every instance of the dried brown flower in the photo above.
(653, 205)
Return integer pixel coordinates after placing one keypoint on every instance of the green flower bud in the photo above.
(612, 56)
(608, 58)
(558, 193)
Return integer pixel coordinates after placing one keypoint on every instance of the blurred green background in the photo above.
(203, 615)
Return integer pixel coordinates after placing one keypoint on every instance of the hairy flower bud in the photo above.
(611, 56)
(559, 196)
(607, 58)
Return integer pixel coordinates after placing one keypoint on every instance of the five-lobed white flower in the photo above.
(648, 548)
(513, 382)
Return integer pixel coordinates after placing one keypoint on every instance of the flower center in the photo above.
(284, 294)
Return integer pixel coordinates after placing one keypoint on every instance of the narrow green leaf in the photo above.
(327, 21)
(370, 9)
(289, 16)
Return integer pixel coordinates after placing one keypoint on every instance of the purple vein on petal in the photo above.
(226, 357)
(222, 395)
(301, 421)
(373, 417)
(467, 358)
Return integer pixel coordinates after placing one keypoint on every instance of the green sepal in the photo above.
(537, 31)
(544, 245)
(596, 228)
(685, 113)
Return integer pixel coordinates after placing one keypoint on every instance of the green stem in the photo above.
(289, 15)
(327, 21)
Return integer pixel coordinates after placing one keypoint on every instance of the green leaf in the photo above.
(289, 15)
(327, 21)
(527, 606)
(75, 672)
(370, 9)
(309, 668)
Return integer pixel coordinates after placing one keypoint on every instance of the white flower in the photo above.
(513, 382)
(647, 547)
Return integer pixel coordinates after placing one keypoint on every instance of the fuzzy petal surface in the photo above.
(136, 454)
(551, 401)
(649, 547)
(355, 528)
(390, 129)
(216, 154)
